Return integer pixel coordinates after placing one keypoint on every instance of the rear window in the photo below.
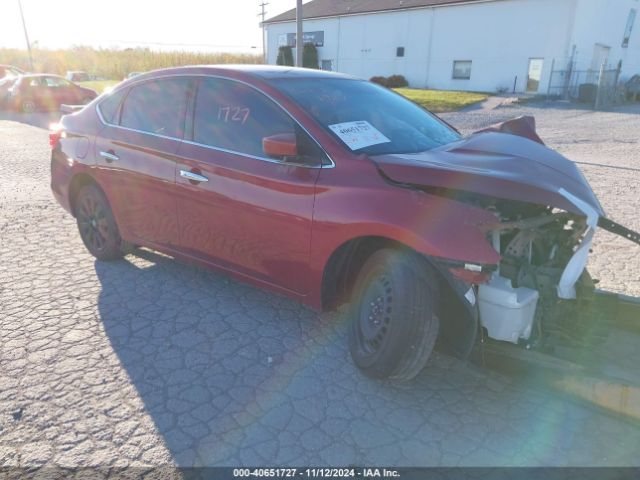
(157, 107)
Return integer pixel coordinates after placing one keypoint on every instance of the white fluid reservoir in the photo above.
(506, 312)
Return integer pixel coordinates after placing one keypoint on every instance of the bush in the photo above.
(310, 56)
(285, 56)
(394, 81)
(397, 81)
(379, 80)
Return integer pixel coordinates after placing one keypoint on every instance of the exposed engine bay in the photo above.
(536, 252)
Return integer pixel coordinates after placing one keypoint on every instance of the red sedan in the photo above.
(30, 93)
(333, 190)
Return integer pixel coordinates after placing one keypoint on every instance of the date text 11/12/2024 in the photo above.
(316, 473)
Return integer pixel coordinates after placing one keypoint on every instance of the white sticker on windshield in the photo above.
(359, 134)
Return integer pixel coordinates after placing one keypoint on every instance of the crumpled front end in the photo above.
(546, 216)
(541, 291)
(542, 294)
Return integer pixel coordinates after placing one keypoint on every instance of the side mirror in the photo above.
(281, 145)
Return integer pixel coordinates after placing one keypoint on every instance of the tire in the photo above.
(96, 224)
(28, 106)
(394, 324)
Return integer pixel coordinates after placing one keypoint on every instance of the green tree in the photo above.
(285, 56)
(310, 56)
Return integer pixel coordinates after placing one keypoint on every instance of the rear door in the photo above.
(36, 89)
(136, 158)
(249, 213)
(58, 91)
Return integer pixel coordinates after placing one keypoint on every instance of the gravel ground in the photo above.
(147, 361)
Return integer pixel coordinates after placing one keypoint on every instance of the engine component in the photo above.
(506, 312)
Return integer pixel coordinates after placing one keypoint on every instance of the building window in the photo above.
(627, 31)
(327, 65)
(400, 52)
(462, 69)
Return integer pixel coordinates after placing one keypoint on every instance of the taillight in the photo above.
(55, 134)
(54, 139)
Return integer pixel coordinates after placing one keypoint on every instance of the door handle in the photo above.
(193, 177)
(109, 156)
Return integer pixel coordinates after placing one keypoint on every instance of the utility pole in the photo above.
(262, 14)
(299, 41)
(26, 36)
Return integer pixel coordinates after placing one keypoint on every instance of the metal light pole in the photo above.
(26, 36)
(262, 14)
(299, 41)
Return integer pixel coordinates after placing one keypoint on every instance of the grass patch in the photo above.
(441, 100)
(99, 85)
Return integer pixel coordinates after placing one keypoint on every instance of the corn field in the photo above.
(114, 63)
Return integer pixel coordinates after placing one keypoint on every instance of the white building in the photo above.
(481, 45)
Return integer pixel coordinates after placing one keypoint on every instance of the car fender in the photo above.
(433, 226)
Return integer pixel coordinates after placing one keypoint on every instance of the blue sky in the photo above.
(209, 25)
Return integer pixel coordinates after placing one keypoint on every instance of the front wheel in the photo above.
(97, 226)
(394, 312)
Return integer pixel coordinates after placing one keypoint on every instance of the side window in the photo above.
(157, 106)
(109, 106)
(55, 82)
(234, 116)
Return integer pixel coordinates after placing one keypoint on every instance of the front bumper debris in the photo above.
(617, 229)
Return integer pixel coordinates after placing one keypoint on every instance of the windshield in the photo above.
(368, 118)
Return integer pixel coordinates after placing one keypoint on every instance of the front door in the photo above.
(136, 159)
(534, 75)
(238, 208)
(600, 57)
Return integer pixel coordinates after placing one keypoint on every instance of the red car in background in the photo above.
(334, 190)
(30, 93)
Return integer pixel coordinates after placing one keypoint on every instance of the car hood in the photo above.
(498, 165)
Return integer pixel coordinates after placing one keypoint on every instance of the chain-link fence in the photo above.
(598, 88)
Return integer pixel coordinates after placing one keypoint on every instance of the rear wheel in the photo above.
(28, 106)
(97, 225)
(394, 322)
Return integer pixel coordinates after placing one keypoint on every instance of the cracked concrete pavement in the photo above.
(148, 361)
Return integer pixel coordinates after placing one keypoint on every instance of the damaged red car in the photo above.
(333, 190)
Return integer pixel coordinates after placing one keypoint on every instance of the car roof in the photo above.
(29, 75)
(260, 71)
